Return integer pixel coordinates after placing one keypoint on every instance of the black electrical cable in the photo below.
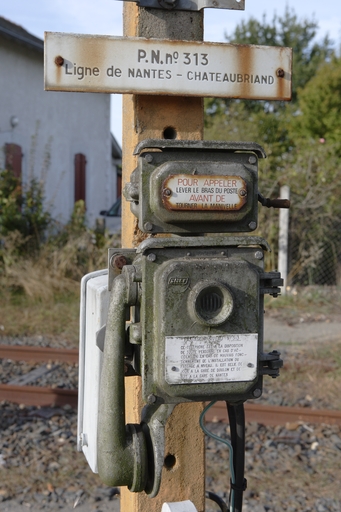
(237, 428)
(219, 501)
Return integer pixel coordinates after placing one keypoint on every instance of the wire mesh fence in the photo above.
(315, 262)
(313, 248)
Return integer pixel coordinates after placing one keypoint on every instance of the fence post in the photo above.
(283, 240)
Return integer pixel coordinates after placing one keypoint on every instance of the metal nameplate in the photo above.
(88, 63)
(194, 192)
(209, 359)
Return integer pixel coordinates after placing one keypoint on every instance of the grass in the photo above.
(310, 302)
(40, 293)
(22, 316)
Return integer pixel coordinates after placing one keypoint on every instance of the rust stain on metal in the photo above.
(119, 261)
(166, 67)
(59, 61)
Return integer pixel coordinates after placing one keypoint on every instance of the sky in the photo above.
(105, 17)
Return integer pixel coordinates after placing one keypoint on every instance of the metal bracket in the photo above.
(270, 283)
(270, 364)
(117, 259)
(191, 5)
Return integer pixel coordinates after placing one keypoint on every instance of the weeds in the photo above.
(41, 264)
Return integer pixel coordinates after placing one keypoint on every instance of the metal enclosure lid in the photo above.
(200, 145)
(93, 315)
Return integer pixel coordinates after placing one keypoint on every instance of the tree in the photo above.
(320, 106)
(269, 122)
(288, 30)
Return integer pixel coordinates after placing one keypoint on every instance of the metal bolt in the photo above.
(257, 393)
(59, 61)
(118, 261)
(242, 192)
(167, 192)
(149, 158)
(151, 399)
(151, 257)
(280, 73)
(250, 365)
(252, 225)
(258, 255)
(174, 369)
(148, 226)
(252, 159)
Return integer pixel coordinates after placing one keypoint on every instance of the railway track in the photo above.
(47, 396)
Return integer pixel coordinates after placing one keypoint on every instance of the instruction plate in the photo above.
(217, 358)
(92, 63)
(194, 192)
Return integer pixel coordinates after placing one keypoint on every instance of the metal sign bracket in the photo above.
(191, 5)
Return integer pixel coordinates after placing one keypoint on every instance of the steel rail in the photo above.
(38, 354)
(38, 395)
(271, 415)
(268, 415)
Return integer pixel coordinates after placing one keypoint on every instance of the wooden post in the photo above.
(148, 117)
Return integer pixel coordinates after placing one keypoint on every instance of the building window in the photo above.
(80, 188)
(13, 159)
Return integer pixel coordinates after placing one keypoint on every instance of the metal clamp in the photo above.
(191, 5)
(270, 283)
(270, 364)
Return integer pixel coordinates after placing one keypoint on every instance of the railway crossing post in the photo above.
(180, 292)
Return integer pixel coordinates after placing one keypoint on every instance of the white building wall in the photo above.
(52, 128)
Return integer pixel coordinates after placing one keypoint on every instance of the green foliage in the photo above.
(320, 105)
(22, 210)
(288, 30)
(313, 173)
(269, 122)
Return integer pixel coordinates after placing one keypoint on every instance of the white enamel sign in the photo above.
(216, 358)
(188, 192)
(88, 63)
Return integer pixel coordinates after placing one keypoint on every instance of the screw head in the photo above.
(242, 192)
(118, 261)
(148, 226)
(257, 392)
(149, 158)
(151, 257)
(280, 73)
(59, 61)
(167, 192)
(151, 399)
(252, 225)
(252, 159)
(258, 255)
